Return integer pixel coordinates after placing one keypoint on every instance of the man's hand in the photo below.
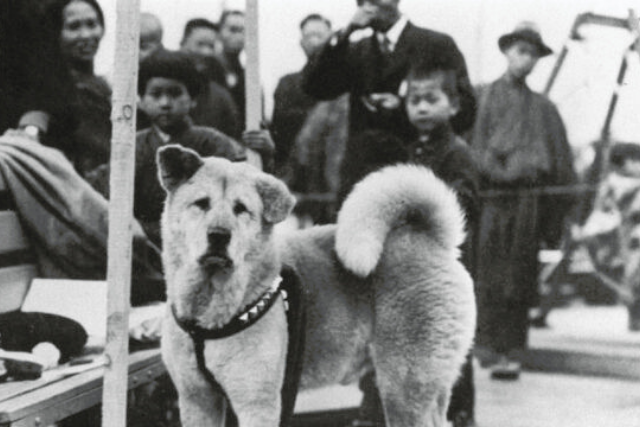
(21, 133)
(259, 140)
(382, 101)
(361, 19)
(388, 101)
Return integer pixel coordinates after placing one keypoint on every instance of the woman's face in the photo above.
(81, 31)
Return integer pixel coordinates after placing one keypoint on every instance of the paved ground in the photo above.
(545, 400)
(535, 400)
(581, 339)
(586, 340)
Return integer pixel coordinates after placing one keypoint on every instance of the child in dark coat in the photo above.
(431, 99)
(168, 84)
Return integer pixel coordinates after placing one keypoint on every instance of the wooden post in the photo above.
(123, 117)
(252, 76)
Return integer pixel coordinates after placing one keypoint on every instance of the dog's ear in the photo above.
(276, 198)
(176, 164)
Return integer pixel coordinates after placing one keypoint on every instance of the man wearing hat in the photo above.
(520, 143)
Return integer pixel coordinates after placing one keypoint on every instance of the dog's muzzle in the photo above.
(217, 255)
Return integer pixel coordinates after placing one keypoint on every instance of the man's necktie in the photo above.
(385, 44)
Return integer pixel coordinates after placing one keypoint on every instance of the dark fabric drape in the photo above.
(67, 220)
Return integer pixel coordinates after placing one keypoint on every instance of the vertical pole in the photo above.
(123, 117)
(252, 75)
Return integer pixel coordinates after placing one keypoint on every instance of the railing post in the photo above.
(123, 148)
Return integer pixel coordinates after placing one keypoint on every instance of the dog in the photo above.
(384, 290)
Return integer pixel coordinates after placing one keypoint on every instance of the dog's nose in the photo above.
(219, 238)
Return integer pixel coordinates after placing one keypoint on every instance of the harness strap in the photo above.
(296, 325)
(198, 345)
(293, 295)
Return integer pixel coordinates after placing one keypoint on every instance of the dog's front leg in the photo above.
(265, 413)
(250, 368)
(202, 409)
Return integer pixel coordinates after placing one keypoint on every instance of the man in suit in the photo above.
(372, 70)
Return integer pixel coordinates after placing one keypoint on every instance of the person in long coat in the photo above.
(520, 143)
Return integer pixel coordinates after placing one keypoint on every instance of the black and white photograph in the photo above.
(347, 213)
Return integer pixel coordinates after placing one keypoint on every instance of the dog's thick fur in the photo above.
(384, 289)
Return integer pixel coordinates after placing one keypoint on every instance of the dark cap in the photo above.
(528, 32)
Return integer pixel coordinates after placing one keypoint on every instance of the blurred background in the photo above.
(582, 90)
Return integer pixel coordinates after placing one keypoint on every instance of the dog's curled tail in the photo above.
(389, 198)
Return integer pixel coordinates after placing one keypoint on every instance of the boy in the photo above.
(520, 142)
(167, 85)
(431, 99)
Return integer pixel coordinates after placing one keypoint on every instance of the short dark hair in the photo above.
(228, 13)
(195, 23)
(314, 17)
(170, 64)
(447, 73)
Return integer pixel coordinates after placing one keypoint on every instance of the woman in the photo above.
(35, 87)
(81, 30)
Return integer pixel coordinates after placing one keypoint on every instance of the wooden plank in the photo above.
(12, 236)
(119, 247)
(56, 401)
(14, 284)
(252, 76)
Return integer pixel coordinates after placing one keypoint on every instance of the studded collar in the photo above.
(241, 321)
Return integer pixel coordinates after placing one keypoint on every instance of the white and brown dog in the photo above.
(384, 290)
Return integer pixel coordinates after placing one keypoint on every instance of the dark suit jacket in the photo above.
(361, 69)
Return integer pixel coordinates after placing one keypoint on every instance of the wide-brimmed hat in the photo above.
(528, 32)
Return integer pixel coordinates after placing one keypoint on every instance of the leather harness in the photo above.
(286, 285)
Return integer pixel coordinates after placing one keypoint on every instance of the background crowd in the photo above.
(378, 90)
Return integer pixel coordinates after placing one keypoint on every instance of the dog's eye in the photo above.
(202, 204)
(239, 208)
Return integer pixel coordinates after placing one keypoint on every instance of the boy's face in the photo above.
(427, 105)
(167, 102)
(521, 56)
(201, 41)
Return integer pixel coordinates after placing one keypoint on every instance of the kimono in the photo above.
(519, 142)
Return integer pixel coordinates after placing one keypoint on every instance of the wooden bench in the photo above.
(41, 403)
(46, 401)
